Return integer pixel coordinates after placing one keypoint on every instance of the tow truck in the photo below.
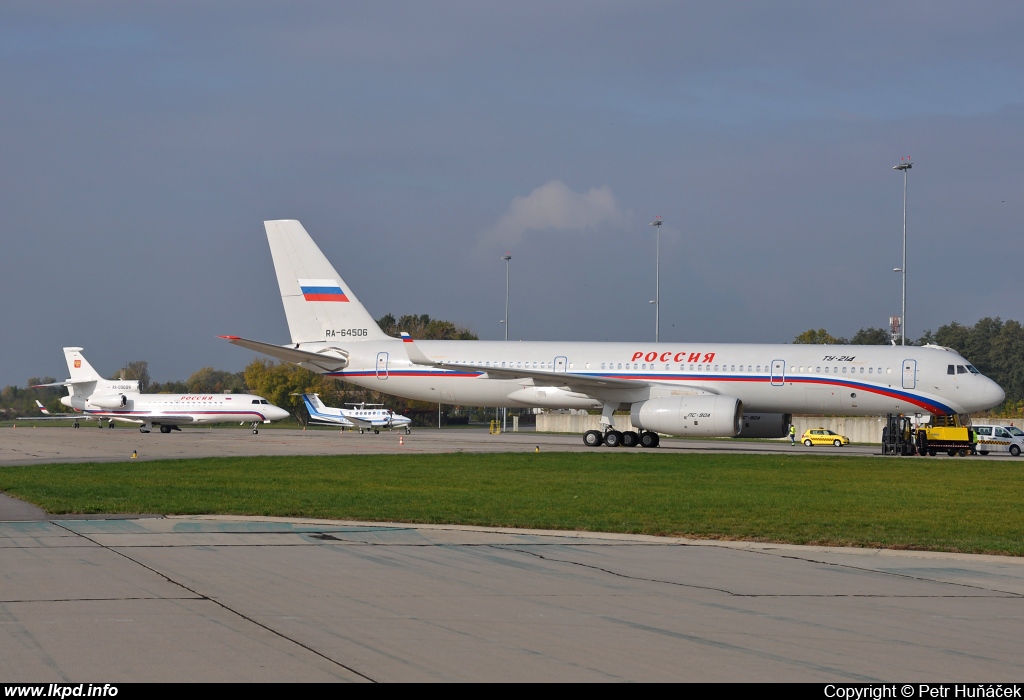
(951, 433)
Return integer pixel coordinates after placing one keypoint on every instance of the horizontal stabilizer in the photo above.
(321, 361)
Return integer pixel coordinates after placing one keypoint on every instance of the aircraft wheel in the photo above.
(255, 431)
(649, 439)
(408, 431)
(630, 438)
(1014, 450)
(143, 430)
(808, 442)
(593, 438)
(165, 429)
(376, 432)
(613, 438)
(360, 431)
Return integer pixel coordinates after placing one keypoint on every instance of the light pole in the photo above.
(657, 276)
(904, 165)
(507, 257)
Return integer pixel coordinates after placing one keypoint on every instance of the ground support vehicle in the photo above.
(898, 436)
(951, 434)
(999, 438)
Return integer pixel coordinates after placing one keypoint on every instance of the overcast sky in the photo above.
(143, 144)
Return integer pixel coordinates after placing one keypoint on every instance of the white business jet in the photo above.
(688, 389)
(55, 416)
(363, 416)
(92, 396)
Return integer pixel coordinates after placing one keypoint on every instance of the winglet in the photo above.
(416, 355)
(42, 408)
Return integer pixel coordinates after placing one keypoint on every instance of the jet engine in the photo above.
(766, 425)
(111, 401)
(708, 416)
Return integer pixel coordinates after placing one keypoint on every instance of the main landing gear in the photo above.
(614, 438)
(254, 429)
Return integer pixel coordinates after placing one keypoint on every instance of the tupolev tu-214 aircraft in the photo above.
(686, 389)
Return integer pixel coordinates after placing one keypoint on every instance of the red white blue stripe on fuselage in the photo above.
(928, 404)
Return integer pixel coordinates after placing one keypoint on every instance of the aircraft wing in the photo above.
(60, 416)
(328, 363)
(330, 420)
(579, 383)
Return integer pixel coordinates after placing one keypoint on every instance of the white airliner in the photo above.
(681, 388)
(364, 416)
(120, 400)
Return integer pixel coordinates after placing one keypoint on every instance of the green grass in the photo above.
(910, 503)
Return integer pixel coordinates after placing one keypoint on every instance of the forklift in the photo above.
(898, 436)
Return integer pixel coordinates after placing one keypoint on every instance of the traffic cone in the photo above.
(135, 454)
(401, 439)
(536, 449)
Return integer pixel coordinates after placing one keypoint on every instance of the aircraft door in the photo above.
(778, 372)
(382, 365)
(909, 374)
(560, 363)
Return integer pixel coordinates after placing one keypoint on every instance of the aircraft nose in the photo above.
(276, 413)
(993, 394)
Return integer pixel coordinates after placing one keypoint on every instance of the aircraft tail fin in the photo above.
(42, 408)
(313, 403)
(318, 304)
(80, 369)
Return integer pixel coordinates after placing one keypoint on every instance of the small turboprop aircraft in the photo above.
(56, 416)
(120, 400)
(364, 416)
(676, 388)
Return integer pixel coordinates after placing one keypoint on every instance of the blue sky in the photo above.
(142, 146)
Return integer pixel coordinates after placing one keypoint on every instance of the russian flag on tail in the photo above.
(322, 290)
(406, 338)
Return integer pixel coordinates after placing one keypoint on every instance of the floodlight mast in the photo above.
(904, 165)
(507, 257)
(657, 276)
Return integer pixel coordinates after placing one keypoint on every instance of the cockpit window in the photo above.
(973, 369)
(255, 400)
(960, 369)
(950, 369)
(264, 401)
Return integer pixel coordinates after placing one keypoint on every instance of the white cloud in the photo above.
(555, 207)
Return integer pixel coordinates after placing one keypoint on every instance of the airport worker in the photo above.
(792, 434)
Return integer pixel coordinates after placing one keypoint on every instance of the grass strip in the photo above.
(958, 505)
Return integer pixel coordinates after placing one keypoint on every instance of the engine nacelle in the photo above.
(707, 416)
(765, 425)
(112, 401)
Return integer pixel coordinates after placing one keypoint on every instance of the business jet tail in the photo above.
(80, 369)
(318, 304)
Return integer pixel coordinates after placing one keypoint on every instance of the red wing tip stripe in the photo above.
(230, 337)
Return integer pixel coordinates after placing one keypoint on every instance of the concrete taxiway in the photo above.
(248, 599)
(258, 599)
(38, 445)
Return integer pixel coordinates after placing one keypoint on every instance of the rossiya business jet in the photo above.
(363, 416)
(687, 389)
(92, 396)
